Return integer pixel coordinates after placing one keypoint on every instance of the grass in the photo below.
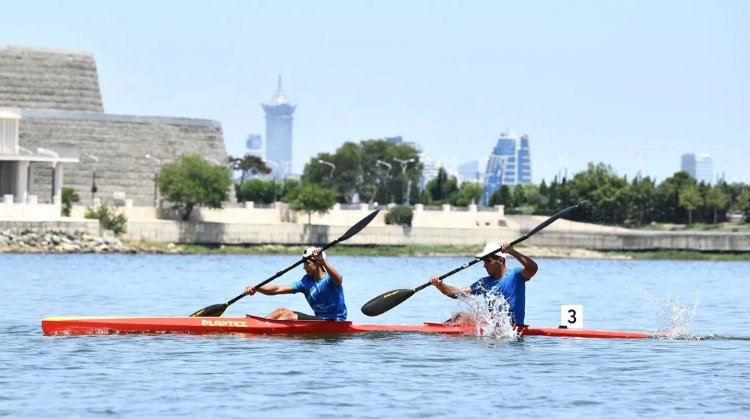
(417, 250)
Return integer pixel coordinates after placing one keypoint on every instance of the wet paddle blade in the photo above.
(386, 301)
(215, 310)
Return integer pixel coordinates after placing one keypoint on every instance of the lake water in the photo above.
(704, 372)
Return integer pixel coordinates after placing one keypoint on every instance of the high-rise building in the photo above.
(509, 164)
(524, 160)
(254, 145)
(469, 172)
(699, 166)
(279, 120)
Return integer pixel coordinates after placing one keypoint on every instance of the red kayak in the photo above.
(255, 325)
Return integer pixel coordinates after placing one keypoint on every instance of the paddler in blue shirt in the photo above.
(510, 284)
(321, 286)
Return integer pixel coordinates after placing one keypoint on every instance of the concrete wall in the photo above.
(10, 210)
(38, 78)
(120, 142)
(164, 231)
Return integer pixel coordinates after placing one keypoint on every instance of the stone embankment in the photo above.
(29, 241)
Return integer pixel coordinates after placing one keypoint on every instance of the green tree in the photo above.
(192, 181)
(743, 200)
(257, 190)
(309, 198)
(69, 196)
(668, 198)
(358, 173)
(641, 197)
(249, 164)
(717, 200)
(604, 191)
(440, 190)
(502, 196)
(690, 199)
(468, 193)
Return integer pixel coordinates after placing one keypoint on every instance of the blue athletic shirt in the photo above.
(511, 286)
(325, 297)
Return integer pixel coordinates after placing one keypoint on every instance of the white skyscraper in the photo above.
(699, 166)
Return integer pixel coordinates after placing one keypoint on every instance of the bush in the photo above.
(69, 196)
(108, 218)
(399, 215)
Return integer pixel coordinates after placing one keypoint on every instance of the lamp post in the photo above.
(156, 176)
(94, 189)
(387, 174)
(404, 165)
(327, 163)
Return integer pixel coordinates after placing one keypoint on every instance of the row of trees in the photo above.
(615, 200)
(380, 171)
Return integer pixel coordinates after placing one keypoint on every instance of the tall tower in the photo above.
(279, 132)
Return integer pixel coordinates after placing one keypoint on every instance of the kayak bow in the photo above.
(254, 325)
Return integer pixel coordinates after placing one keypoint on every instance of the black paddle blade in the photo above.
(215, 310)
(386, 301)
(356, 228)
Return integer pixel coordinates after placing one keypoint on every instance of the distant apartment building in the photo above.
(278, 145)
(509, 164)
(699, 166)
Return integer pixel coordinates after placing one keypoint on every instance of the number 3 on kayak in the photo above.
(571, 316)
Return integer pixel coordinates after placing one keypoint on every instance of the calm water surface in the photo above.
(705, 372)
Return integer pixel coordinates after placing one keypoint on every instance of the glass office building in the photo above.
(509, 164)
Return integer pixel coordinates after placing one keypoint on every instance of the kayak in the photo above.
(254, 325)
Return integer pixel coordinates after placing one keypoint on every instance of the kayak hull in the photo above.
(254, 325)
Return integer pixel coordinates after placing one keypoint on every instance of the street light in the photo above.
(156, 176)
(387, 174)
(94, 189)
(327, 163)
(404, 164)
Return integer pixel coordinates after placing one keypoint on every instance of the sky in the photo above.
(632, 84)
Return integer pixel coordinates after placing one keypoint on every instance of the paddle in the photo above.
(390, 299)
(217, 310)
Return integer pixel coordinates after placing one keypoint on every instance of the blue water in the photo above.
(705, 372)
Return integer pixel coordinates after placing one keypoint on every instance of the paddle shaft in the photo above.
(218, 309)
(282, 272)
(390, 299)
(511, 244)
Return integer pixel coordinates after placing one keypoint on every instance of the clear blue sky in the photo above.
(589, 81)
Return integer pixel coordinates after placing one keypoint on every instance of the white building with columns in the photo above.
(18, 200)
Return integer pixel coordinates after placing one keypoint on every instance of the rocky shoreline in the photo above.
(29, 241)
(57, 241)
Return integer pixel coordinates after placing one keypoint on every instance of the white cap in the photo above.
(309, 250)
(489, 248)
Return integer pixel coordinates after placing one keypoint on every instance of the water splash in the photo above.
(675, 318)
(491, 316)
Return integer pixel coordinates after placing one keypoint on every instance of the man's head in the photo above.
(494, 259)
(491, 249)
(311, 265)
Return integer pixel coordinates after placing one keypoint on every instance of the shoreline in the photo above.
(115, 246)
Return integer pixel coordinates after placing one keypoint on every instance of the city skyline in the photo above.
(633, 85)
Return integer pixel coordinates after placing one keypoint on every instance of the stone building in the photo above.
(60, 123)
